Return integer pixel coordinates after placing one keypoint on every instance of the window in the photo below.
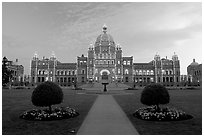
(118, 71)
(43, 79)
(65, 79)
(69, 72)
(108, 62)
(171, 79)
(38, 79)
(167, 79)
(126, 71)
(126, 79)
(136, 72)
(39, 72)
(58, 73)
(83, 71)
(148, 72)
(128, 63)
(163, 79)
(82, 79)
(112, 61)
(124, 62)
(144, 72)
(69, 79)
(140, 72)
(61, 80)
(73, 73)
(166, 72)
(62, 72)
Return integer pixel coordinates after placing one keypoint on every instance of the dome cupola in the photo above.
(194, 63)
(104, 39)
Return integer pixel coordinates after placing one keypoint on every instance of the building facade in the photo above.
(17, 71)
(194, 73)
(105, 60)
(52, 70)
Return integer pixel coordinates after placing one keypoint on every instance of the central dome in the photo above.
(104, 39)
(194, 63)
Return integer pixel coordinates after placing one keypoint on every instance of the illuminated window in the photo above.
(140, 72)
(152, 72)
(126, 71)
(118, 71)
(124, 62)
(128, 63)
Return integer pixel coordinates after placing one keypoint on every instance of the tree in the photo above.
(46, 95)
(155, 94)
(6, 73)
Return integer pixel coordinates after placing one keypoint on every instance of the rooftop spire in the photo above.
(35, 55)
(104, 28)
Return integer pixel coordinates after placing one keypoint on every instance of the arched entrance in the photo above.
(105, 75)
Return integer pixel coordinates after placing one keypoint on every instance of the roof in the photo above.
(194, 63)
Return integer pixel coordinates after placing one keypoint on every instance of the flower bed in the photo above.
(164, 114)
(44, 115)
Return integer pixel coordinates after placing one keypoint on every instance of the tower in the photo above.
(82, 69)
(119, 61)
(176, 69)
(34, 68)
(52, 65)
(157, 65)
(90, 63)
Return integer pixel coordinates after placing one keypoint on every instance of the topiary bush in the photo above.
(154, 94)
(46, 95)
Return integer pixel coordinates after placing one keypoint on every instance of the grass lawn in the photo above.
(15, 102)
(189, 101)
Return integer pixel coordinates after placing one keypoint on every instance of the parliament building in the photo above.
(105, 60)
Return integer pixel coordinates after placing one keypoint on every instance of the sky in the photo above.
(68, 29)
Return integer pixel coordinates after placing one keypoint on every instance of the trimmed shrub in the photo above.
(46, 95)
(154, 94)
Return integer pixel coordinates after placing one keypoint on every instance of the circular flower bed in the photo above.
(164, 114)
(44, 115)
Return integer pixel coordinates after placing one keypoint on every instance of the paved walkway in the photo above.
(106, 118)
